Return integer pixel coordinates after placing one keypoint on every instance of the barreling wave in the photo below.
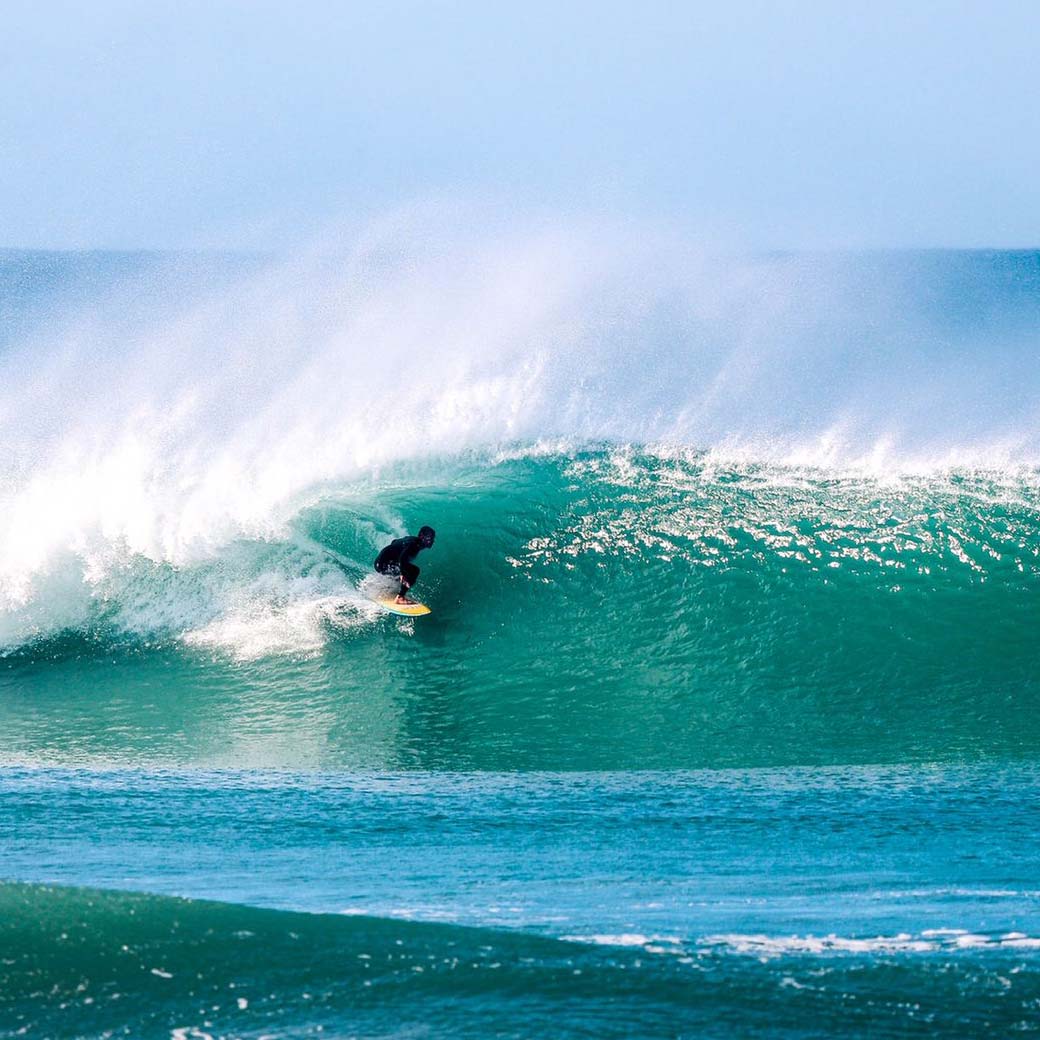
(693, 510)
(600, 610)
(87, 963)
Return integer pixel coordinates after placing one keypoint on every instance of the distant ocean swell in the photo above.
(79, 962)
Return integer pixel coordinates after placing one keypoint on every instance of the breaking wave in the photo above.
(684, 491)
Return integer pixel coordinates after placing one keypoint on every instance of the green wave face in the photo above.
(608, 609)
(153, 966)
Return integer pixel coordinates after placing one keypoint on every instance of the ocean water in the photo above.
(725, 719)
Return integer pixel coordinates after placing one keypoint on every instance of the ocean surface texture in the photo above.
(725, 722)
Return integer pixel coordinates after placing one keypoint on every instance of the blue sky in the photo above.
(783, 124)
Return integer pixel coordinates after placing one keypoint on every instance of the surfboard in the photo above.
(404, 609)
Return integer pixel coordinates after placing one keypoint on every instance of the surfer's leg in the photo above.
(409, 576)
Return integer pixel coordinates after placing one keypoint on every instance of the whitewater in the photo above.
(724, 718)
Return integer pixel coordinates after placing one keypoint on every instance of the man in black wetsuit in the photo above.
(396, 559)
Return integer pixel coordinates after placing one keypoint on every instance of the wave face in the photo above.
(606, 609)
(692, 511)
(80, 963)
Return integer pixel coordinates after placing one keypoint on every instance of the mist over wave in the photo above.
(168, 421)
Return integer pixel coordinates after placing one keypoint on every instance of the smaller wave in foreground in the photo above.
(87, 963)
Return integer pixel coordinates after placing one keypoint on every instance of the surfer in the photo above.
(397, 557)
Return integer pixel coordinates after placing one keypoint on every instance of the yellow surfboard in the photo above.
(404, 609)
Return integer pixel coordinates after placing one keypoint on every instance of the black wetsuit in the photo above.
(396, 559)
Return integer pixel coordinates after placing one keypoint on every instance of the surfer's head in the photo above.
(426, 536)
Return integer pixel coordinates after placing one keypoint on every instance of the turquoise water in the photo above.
(600, 611)
(724, 721)
(808, 901)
